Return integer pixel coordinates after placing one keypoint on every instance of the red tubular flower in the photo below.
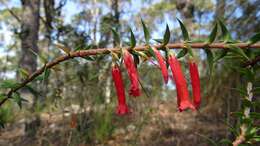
(132, 73)
(162, 65)
(195, 82)
(181, 85)
(122, 107)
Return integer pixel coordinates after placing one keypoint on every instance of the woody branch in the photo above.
(91, 52)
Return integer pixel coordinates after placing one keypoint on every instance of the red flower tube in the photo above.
(122, 107)
(195, 82)
(181, 85)
(162, 64)
(132, 73)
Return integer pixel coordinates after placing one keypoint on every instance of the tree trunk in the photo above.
(49, 10)
(220, 9)
(29, 34)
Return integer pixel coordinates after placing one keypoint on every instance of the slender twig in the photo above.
(252, 62)
(243, 128)
(11, 11)
(91, 52)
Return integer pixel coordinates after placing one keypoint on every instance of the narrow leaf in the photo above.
(185, 33)
(219, 55)
(136, 59)
(182, 53)
(226, 36)
(116, 37)
(210, 59)
(46, 74)
(132, 39)
(18, 99)
(142, 55)
(238, 51)
(166, 36)
(146, 32)
(42, 58)
(213, 34)
(8, 84)
(255, 115)
(150, 50)
(33, 91)
(63, 48)
(89, 58)
(23, 73)
(158, 40)
(254, 39)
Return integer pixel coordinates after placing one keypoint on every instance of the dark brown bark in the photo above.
(29, 34)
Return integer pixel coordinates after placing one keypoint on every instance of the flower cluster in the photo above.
(183, 97)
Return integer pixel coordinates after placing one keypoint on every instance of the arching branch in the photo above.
(83, 53)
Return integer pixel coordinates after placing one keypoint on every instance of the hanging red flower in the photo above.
(181, 84)
(162, 64)
(122, 107)
(195, 82)
(132, 73)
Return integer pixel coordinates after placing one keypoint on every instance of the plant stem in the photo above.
(98, 51)
(243, 128)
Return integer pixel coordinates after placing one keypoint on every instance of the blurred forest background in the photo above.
(76, 104)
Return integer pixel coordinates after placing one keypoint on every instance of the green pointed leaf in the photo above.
(210, 59)
(2, 96)
(213, 34)
(136, 59)
(33, 91)
(158, 40)
(238, 51)
(238, 114)
(185, 33)
(255, 115)
(146, 32)
(9, 84)
(166, 54)
(84, 48)
(226, 36)
(23, 73)
(256, 138)
(254, 39)
(42, 58)
(246, 103)
(89, 58)
(141, 54)
(150, 50)
(226, 142)
(219, 55)
(256, 90)
(63, 48)
(189, 49)
(116, 37)
(46, 74)
(18, 99)
(182, 53)
(167, 35)
(132, 39)
(256, 104)
(241, 91)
